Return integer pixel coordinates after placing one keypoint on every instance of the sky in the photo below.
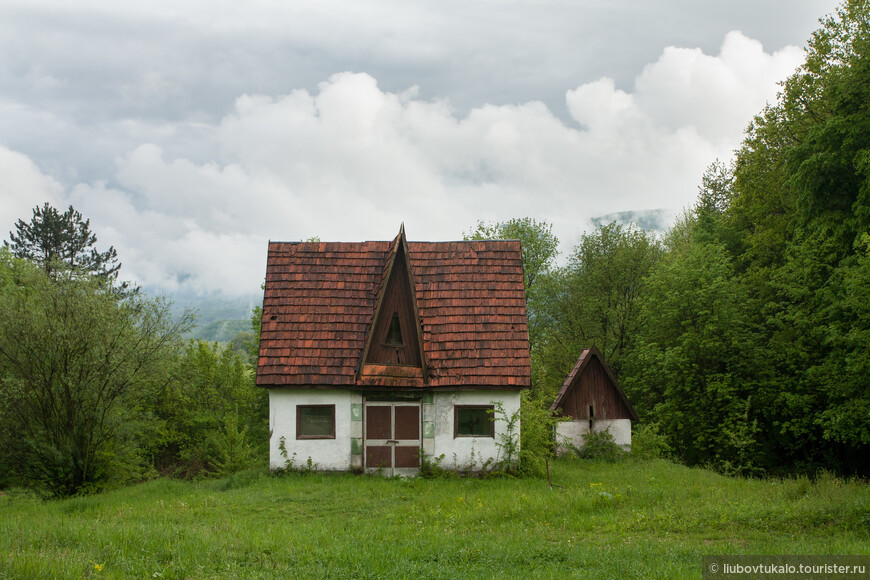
(191, 132)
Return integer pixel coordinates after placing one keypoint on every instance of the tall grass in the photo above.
(621, 520)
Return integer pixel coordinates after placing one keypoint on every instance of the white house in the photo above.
(592, 398)
(375, 353)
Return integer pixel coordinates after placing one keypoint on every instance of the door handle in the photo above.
(392, 442)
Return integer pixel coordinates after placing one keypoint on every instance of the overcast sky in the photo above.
(191, 132)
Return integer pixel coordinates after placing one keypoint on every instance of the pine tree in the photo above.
(62, 242)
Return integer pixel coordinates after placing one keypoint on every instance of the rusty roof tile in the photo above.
(320, 298)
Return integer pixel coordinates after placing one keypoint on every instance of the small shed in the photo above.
(592, 398)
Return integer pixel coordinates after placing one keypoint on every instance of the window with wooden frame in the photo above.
(315, 421)
(473, 421)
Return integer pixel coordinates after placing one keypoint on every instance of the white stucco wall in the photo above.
(327, 454)
(571, 433)
(337, 454)
(457, 451)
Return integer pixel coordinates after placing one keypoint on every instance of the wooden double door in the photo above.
(392, 437)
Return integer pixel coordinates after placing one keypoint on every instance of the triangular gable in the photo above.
(394, 345)
(577, 372)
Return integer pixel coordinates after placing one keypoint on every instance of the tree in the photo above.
(62, 241)
(210, 394)
(72, 357)
(752, 351)
(593, 300)
(688, 364)
(816, 323)
(715, 191)
(540, 246)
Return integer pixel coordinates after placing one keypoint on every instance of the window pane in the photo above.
(316, 421)
(476, 421)
(394, 333)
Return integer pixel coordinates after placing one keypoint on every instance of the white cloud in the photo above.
(22, 187)
(600, 106)
(717, 95)
(350, 161)
(163, 247)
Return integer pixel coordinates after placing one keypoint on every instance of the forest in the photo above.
(741, 335)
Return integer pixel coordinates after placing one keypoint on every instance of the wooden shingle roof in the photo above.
(320, 300)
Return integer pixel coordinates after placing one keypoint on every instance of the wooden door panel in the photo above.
(408, 456)
(407, 422)
(378, 423)
(392, 436)
(377, 456)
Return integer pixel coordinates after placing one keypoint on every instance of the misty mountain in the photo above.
(216, 316)
(648, 219)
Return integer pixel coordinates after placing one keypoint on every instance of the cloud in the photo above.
(716, 95)
(176, 224)
(194, 206)
(22, 188)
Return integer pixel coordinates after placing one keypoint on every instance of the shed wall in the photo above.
(570, 433)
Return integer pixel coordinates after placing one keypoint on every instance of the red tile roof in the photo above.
(320, 300)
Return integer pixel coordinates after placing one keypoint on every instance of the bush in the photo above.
(232, 452)
(209, 419)
(648, 442)
(74, 356)
(536, 435)
(600, 447)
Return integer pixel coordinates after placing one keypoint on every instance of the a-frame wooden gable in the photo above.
(394, 345)
(591, 391)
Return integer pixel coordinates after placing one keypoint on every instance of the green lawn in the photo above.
(639, 519)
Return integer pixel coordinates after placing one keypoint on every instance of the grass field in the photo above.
(634, 519)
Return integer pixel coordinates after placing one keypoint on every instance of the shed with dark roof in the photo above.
(594, 401)
(375, 353)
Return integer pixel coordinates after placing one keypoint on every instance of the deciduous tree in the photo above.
(593, 300)
(72, 355)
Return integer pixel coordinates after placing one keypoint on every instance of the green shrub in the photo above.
(232, 452)
(600, 447)
(536, 434)
(648, 442)
(430, 468)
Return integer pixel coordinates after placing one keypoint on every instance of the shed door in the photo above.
(392, 440)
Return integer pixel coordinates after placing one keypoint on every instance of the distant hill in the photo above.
(221, 330)
(648, 219)
(217, 317)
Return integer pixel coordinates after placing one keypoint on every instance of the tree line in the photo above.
(97, 385)
(743, 332)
